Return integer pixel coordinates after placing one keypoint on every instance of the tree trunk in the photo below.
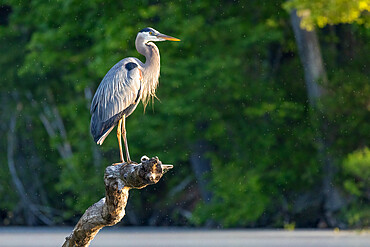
(201, 167)
(311, 58)
(118, 179)
(31, 211)
(315, 77)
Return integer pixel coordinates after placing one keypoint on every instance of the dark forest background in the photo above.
(260, 134)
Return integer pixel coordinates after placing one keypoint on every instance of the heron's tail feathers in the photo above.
(102, 138)
(100, 130)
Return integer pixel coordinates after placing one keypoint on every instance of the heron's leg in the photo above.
(125, 139)
(119, 135)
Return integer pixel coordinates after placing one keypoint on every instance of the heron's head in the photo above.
(150, 34)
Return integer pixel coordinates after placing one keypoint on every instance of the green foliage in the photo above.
(235, 81)
(356, 168)
(357, 164)
(323, 12)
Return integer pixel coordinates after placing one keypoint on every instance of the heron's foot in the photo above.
(131, 162)
(124, 162)
(118, 163)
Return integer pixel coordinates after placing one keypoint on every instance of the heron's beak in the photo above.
(166, 37)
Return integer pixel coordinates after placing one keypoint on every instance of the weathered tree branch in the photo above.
(118, 179)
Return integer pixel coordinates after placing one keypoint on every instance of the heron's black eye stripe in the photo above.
(147, 29)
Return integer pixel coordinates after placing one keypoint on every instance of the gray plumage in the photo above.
(125, 84)
(119, 89)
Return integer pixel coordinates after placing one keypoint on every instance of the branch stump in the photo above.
(118, 179)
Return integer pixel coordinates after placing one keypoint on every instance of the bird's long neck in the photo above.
(151, 69)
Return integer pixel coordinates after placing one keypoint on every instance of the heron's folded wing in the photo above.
(117, 91)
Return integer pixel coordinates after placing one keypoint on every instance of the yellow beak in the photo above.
(166, 37)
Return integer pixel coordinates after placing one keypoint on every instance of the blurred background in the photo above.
(263, 110)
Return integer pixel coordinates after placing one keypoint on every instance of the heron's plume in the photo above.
(149, 91)
(151, 75)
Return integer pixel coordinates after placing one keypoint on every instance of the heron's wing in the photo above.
(119, 89)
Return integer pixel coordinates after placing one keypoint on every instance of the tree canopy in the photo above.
(322, 12)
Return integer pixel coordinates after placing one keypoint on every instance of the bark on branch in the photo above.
(118, 179)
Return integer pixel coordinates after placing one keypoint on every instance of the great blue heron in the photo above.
(122, 88)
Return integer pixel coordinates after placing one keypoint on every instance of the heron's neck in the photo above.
(151, 53)
(151, 68)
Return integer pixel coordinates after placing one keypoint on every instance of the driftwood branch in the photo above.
(118, 179)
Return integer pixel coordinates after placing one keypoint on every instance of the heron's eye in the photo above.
(150, 33)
